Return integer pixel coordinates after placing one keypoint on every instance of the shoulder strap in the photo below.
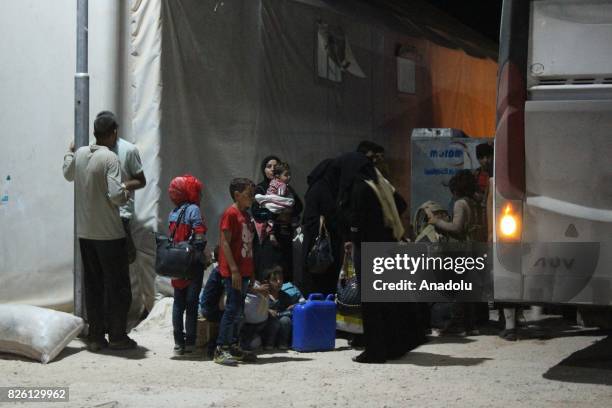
(322, 226)
(181, 216)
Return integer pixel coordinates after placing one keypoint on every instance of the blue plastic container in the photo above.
(314, 324)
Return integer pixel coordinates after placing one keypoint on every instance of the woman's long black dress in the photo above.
(321, 199)
(390, 329)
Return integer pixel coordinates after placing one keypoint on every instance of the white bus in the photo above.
(553, 153)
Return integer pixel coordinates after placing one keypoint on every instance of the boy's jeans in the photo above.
(210, 297)
(186, 303)
(234, 306)
(284, 331)
(269, 331)
(248, 333)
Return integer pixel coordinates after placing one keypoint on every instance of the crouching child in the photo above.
(283, 298)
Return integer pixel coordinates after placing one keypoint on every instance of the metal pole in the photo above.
(81, 134)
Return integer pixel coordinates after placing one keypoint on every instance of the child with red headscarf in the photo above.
(186, 193)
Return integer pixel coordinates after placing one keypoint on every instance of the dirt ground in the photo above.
(571, 367)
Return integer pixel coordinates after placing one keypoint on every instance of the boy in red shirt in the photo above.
(236, 268)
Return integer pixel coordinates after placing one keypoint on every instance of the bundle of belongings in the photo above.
(274, 203)
(277, 205)
(424, 231)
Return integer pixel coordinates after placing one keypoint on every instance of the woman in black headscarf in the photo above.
(267, 169)
(321, 200)
(390, 329)
(268, 254)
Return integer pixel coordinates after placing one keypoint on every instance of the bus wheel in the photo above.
(595, 317)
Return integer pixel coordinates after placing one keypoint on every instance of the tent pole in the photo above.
(81, 134)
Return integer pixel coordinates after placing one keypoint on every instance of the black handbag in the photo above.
(175, 259)
(320, 257)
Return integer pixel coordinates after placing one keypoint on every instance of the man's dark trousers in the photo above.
(106, 269)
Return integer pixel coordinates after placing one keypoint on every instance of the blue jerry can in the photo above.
(314, 324)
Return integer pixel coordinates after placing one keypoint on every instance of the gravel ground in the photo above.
(571, 367)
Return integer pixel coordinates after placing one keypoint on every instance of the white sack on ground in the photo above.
(163, 287)
(36, 333)
(159, 317)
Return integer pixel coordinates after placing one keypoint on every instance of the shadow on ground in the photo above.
(200, 356)
(554, 327)
(438, 360)
(66, 352)
(139, 353)
(449, 340)
(280, 359)
(592, 365)
(546, 328)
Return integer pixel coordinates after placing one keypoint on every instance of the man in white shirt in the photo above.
(132, 174)
(133, 177)
(96, 172)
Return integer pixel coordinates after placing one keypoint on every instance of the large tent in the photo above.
(210, 87)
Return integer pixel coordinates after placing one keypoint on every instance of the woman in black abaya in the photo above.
(390, 329)
(321, 200)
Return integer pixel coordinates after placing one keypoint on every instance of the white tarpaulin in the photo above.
(37, 98)
(201, 86)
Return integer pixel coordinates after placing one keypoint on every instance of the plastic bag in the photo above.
(255, 308)
(348, 299)
(348, 291)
